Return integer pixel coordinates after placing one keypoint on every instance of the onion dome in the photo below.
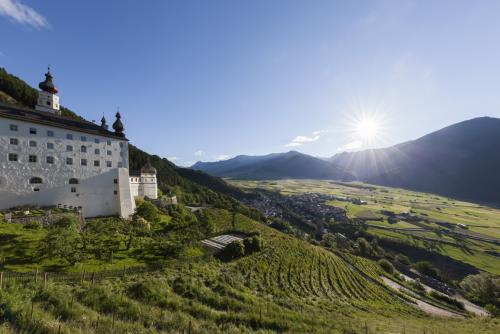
(118, 125)
(47, 85)
(148, 169)
(103, 123)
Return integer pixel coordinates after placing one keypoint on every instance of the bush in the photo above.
(66, 221)
(426, 268)
(416, 285)
(386, 265)
(447, 300)
(363, 246)
(253, 244)
(148, 211)
(482, 288)
(234, 250)
(493, 310)
(403, 259)
(34, 225)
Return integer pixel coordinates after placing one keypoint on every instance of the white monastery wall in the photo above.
(99, 189)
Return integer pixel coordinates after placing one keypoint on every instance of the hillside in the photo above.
(275, 166)
(459, 161)
(290, 286)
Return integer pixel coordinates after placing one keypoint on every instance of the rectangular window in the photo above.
(13, 127)
(69, 148)
(115, 181)
(73, 189)
(108, 142)
(14, 141)
(50, 133)
(109, 152)
(96, 163)
(97, 141)
(83, 149)
(84, 138)
(50, 146)
(121, 145)
(69, 161)
(97, 151)
(108, 164)
(50, 160)
(115, 192)
(12, 157)
(69, 136)
(83, 162)
(32, 143)
(32, 131)
(32, 158)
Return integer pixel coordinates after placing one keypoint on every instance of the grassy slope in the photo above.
(290, 286)
(479, 218)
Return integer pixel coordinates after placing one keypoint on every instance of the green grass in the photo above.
(480, 219)
(290, 286)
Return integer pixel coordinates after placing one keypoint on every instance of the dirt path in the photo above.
(426, 307)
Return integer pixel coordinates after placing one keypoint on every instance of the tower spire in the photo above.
(48, 101)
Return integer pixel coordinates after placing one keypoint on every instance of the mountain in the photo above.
(275, 166)
(460, 161)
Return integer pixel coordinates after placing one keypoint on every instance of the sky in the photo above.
(208, 80)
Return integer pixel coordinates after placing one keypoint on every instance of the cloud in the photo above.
(301, 140)
(22, 13)
(173, 158)
(351, 146)
(222, 157)
(198, 153)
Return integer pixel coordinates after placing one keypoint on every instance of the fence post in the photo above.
(45, 280)
(1, 280)
(36, 275)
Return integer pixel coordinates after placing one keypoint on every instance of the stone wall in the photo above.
(47, 219)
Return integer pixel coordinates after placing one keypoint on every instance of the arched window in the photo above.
(35, 180)
(73, 181)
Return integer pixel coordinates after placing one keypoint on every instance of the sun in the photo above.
(367, 129)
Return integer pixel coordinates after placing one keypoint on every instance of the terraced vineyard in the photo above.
(290, 286)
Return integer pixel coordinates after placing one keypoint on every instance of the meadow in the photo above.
(289, 286)
(481, 220)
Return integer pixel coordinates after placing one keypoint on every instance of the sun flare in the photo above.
(367, 129)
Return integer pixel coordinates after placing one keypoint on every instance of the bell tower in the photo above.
(48, 101)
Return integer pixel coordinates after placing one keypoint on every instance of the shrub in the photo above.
(416, 285)
(66, 221)
(493, 310)
(403, 259)
(363, 246)
(234, 250)
(482, 288)
(447, 300)
(426, 268)
(34, 225)
(386, 265)
(148, 211)
(252, 244)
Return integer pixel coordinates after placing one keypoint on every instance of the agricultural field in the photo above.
(289, 286)
(463, 244)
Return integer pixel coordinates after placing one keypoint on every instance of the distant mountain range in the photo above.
(461, 161)
(275, 166)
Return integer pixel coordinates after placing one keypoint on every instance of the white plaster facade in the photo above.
(48, 102)
(144, 185)
(76, 169)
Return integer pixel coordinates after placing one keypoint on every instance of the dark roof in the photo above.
(50, 119)
(48, 85)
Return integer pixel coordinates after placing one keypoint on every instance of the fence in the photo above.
(25, 277)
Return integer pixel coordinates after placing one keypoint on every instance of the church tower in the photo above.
(47, 99)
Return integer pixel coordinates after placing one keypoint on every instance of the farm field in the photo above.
(481, 221)
(289, 286)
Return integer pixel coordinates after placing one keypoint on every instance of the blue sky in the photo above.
(205, 80)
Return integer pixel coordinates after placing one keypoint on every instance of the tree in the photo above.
(65, 243)
(234, 250)
(483, 288)
(252, 244)
(386, 265)
(426, 268)
(363, 246)
(328, 240)
(403, 259)
(148, 211)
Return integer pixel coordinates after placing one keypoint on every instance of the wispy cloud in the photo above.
(354, 145)
(21, 13)
(198, 153)
(173, 159)
(301, 140)
(222, 157)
